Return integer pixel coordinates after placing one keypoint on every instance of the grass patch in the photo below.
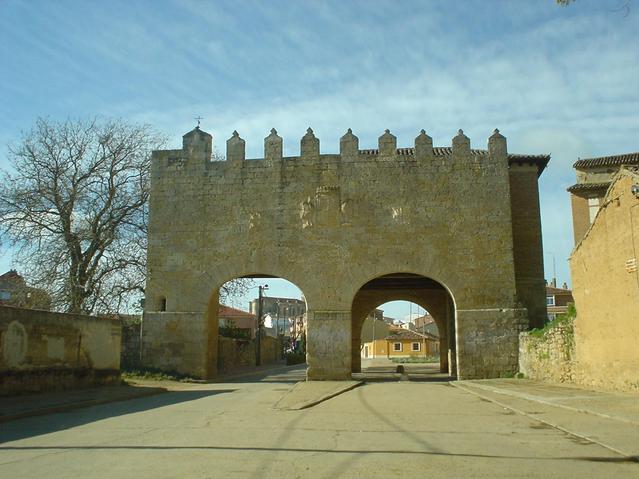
(416, 359)
(151, 374)
(560, 320)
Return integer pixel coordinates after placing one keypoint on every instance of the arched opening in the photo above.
(401, 332)
(437, 323)
(260, 320)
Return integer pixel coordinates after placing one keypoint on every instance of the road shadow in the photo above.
(45, 424)
(349, 452)
(291, 375)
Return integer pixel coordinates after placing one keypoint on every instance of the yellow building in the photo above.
(402, 343)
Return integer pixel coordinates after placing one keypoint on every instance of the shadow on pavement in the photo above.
(291, 374)
(35, 426)
(633, 459)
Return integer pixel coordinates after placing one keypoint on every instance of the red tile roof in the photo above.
(540, 160)
(228, 312)
(579, 187)
(553, 290)
(612, 160)
(406, 334)
(11, 274)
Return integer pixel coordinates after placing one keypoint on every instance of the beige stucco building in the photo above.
(453, 229)
(594, 176)
(605, 279)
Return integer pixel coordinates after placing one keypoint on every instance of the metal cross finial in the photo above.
(198, 118)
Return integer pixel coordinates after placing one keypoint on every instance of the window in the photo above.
(416, 346)
(550, 300)
(162, 304)
(5, 295)
(397, 346)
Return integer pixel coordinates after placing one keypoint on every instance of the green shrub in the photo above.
(295, 358)
(152, 374)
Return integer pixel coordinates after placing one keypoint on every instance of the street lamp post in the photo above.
(258, 334)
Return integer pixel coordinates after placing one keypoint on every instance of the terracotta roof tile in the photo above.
(406, 334)
(553, 290)
(540, 160)
(578, 187)
(612, 160)
(229, 312)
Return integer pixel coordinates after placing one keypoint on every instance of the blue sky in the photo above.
(563, 81)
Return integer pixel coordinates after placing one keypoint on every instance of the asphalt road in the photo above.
(381, 429)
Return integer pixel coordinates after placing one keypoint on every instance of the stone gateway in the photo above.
(453, 229)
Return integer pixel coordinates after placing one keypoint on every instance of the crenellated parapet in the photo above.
(198, 147)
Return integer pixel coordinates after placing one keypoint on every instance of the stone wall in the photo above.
(236, 354)
(42, 350)
(548, 356)
(130, 354)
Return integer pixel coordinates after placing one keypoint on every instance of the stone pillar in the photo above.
(488, 342)
(443, 355)
(451, 349)
(328, 345)
(310, 145)
(235, 150)
(273, 147)
(197, 144)
(423, 147)
(356, 341)
(387, 144)
(461, 145)
(349, 146)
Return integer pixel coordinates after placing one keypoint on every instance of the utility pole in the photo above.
(258, 333)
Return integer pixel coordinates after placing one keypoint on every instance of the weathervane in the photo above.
(198, 118)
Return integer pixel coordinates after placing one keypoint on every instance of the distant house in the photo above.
(286, 315)
(557, 300)
(402, 343)
(15, 292)
(425, 324)
(243, 322)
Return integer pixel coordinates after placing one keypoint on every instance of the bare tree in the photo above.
(75, 207)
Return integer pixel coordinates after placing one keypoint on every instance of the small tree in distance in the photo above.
(75, 207)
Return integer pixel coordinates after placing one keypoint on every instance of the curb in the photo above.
(222, 379)
(79, 405)
(315, 402)
(530, 397)
(629, 457)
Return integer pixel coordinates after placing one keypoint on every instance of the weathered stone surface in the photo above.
(331, 223)
(42, 350)
(549, 357)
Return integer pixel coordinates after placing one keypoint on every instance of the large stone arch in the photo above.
(332, 222)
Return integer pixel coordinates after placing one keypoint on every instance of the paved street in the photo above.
(380, 429)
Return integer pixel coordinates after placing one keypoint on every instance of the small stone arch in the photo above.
(428, 293)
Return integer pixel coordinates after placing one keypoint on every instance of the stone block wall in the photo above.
(42, 350)
(487, 342)
(549, 356)
(236, 354)
(130, 354)
(179, 342)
